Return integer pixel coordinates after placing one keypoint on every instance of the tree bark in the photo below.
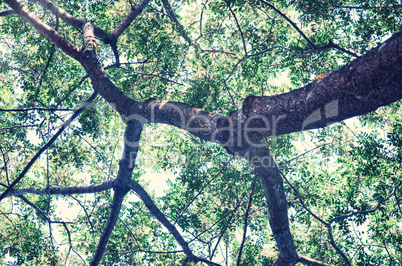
(271, 179)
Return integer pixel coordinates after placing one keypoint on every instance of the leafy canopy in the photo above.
(348, 174)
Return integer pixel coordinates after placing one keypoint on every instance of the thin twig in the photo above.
(291, 23)
(47, 145)
(238, 26)
(17, 126)
(7, 13)
(201, 190)
(174, 19)
(36, 109)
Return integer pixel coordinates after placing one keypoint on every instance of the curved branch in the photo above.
(335, 246)
(71, 245)
(300, 198)
(85, 210)
(137, 188)
(42, 213)
(368, 211)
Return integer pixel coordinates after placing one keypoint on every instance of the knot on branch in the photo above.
(89, 40)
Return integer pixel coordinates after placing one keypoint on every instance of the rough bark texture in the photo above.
(362, 86)
(271, 179)
(371, 81)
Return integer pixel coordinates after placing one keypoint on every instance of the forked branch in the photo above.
(45, 29)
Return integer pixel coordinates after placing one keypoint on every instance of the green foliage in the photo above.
(348, 167)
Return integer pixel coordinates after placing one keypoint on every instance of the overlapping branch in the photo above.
(50, 142)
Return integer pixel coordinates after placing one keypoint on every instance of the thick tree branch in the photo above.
(43, 28)
(131, 142)
(271, 179)
(196, 121)
(50, 142)
(61, 13)
(362, 86)
(353, 90)
(126, 166)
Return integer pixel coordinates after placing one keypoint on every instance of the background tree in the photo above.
(84, 114)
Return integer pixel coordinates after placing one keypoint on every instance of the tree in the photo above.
(76, 72)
